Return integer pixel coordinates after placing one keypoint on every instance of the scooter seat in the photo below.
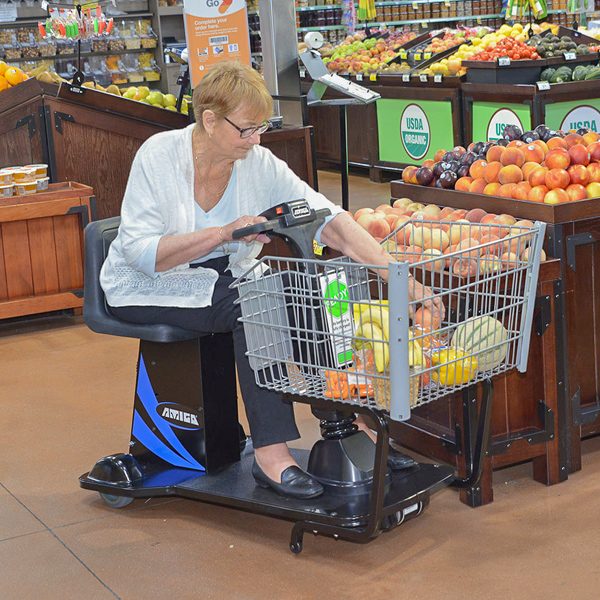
(99, 235)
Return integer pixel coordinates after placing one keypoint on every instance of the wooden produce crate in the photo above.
(572, 237)
(41, 249)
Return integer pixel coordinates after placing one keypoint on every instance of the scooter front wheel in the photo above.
(116, 501)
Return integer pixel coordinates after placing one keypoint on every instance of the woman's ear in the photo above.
(209, 120)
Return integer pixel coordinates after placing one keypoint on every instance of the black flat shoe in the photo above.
(398, 461)
(294, 482)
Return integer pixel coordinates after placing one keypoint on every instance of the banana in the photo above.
(377, 313)
(381, 352)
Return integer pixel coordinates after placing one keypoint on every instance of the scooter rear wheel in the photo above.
(116, 501)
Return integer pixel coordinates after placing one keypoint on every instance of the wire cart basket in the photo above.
(453, 307)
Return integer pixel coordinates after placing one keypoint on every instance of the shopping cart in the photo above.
(347, 337)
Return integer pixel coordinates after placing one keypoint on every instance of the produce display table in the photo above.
(41, 249)
(572, 237)
(92, 137)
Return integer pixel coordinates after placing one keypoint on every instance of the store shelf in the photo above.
(83, 55)
(324, 28)
(424, 21)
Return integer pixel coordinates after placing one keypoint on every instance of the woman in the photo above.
(174, 257)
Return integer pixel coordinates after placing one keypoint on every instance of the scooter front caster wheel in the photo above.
(296, 547)
(116, 501)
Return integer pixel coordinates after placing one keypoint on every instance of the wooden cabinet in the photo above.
(41, 249)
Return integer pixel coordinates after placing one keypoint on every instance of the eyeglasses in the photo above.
(246, 132)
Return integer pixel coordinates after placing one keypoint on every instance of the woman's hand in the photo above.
(424, 294)
(226, 232)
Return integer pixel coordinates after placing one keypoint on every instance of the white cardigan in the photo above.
(159, 200)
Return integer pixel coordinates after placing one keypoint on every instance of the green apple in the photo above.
(143, 91)
(169, 100)
(155, 97)
(130, 92)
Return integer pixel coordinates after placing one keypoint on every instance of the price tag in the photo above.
(424, 24)
(405, 77)
(543, 85)
(504, 61)
(8, 12)
(415, 5)
(418, 56)
(373, 76)
(570, 56)
(423, 78)
(44, 5)
(437, 78)
(303, 73)
(317, 248)
(359, 77)
(427, 55)
(403, 54)
(478, 20)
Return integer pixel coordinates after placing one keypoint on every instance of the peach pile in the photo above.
(485, 242)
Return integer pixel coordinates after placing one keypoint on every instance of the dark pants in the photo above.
(271, 419)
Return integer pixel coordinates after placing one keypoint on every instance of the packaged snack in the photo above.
(6, 190)
(42, 184)
(26, 188)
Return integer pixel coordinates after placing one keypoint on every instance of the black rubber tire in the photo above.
(116, 501)
(296, 547)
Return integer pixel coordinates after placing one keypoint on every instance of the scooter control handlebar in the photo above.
(295, 222)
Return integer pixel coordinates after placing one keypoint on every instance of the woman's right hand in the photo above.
(226, 232)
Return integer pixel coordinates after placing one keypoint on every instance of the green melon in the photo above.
(484, 337)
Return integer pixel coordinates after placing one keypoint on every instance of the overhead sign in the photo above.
(215, 30)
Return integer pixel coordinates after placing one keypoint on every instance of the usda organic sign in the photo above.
(414, 131)
(336, 296)
(582, 116)
(499, 121)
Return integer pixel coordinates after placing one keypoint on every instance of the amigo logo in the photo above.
(582, 116)
(178, 415)
(500, 119)
(414, 131)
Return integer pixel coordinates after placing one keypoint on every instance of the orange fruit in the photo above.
(3, 84)
(13, 75)
(3, 67)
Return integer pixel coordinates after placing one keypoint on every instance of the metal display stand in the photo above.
(355, 95)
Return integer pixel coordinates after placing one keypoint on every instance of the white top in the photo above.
(159, 200)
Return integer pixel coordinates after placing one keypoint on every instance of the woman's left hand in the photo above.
(425, 295)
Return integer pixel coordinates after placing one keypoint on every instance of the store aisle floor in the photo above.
(65, 401)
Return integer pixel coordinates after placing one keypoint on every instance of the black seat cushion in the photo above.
(99, 235)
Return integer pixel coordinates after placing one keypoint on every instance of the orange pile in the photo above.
(10, 76)
(561, 170)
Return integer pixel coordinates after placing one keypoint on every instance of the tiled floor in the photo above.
(65, 401)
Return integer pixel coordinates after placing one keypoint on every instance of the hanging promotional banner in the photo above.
(215, 30)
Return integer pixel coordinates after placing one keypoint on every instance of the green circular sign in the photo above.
(414, 131)
(336, 294)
